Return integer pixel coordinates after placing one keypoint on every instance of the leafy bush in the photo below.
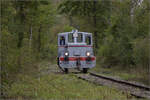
(67, 28)
(141, 52)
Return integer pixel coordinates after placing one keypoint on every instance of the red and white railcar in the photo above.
(75, 50)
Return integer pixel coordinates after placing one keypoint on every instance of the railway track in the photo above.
(135, 89)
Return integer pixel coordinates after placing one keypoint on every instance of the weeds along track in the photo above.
(135, 89)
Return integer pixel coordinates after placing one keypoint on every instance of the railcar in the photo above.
(75, 50)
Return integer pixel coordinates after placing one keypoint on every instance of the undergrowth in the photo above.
(61, 87)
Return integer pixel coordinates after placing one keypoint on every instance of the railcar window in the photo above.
(80, 37)
(88, 40)
(70, 38)
(62, 40)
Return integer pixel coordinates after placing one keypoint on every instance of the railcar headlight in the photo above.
(88, 54)
(66, 53)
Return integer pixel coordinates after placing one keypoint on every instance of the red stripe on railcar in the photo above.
(75, 58)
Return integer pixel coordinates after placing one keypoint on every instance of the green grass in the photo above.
(132, 74)
(61, 87)
(58, 86)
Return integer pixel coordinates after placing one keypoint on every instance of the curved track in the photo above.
(134, 89)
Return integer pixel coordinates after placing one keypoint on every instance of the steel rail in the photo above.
(121, 81)
(135, 89)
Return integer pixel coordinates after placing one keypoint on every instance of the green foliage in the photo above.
(30, 28)
(122, 35)
(141, 52)
(117, 47)
(25, 35)
(68, 28)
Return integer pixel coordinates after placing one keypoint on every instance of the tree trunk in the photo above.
(84, 7)
(70, 20)
(39, 39)
(149, 49)
(20, 38)
(95, 24)
(21, 32)
(134, 4)
(110, 13)
(132, 15)
(30, 40)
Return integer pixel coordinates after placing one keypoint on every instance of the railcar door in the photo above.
(61, 44)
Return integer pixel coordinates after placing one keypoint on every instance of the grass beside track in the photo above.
(58, 86)
(132, 74)
(62, 87)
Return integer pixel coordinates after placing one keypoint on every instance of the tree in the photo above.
(93, 10)
(25, 35)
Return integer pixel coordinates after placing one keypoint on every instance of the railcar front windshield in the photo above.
(71, 38)
(80, 38)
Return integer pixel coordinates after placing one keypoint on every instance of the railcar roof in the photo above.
(64, 33)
